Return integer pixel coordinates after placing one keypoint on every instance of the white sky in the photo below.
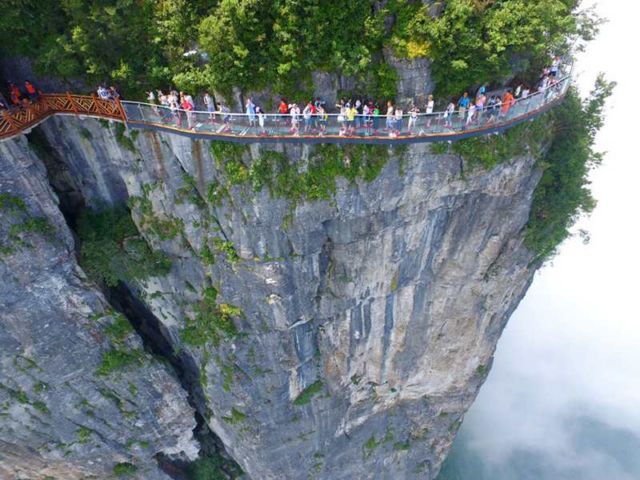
(573, 345)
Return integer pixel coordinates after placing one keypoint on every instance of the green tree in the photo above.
(480, 41)
(236, 37)
(563, 192)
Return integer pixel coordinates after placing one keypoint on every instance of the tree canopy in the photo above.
(251, 44)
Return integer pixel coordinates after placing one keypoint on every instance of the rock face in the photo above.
(366, 323)
(58, 417)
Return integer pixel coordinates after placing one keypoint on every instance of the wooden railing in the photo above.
(20, 119)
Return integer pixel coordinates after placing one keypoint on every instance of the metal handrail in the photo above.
(317, 127)
(330, 115)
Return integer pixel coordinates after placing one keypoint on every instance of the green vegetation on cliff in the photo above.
(212, 321)
(563, 141)
(252, 44)
(286, 179)
(112, 250)
(563, 192)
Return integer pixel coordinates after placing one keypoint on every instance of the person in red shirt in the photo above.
(507, 102)
(32, 93)
(187, 106)
(14, 93)
(283, 110)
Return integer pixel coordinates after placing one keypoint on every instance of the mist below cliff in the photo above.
(561, 401)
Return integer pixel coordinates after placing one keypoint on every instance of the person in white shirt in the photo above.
(398, 121)
(390, 111)
(260, 115)
(448, 114)
(471, 112)
(429, 110)
(413, 118)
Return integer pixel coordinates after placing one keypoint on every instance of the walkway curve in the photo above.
(240, 128)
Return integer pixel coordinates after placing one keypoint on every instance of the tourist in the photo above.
(186, 104)
(480, 104)
(226, 118)
(113, 93)
(164, 112)
(251, 112)
(507, 103)
(103, 93)
(359, 111)
(390, 115)
(470, 113)
(497, 107)
(151, 100)
(210, 106)
(314, 113)
(376, 119)
(322, 119)
(260, 115)
(481, 91)
(32, 93)
(294, 112)
(342, 118)
(429, 109)
(413, 118)
(366, 113)
(282, 112)
(175, 112)
(398, 121)
(351, 117)
(306, 115)
(555, 67)
(518, 91)
(448, 114)
(463, 104)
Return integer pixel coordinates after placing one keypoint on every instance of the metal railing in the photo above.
(337, 126)
(291, 127)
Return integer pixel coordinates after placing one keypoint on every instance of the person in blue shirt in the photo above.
(251, 112)
(463, 104)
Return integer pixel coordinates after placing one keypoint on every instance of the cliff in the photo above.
(336, 332)
(60, 415)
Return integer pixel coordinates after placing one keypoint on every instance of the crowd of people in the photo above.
(107, 93)
(359, 115)
(19, 98)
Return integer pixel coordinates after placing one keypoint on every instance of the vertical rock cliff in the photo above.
(336, 334)
(63, 414)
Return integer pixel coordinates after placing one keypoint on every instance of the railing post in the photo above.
(94, 97)
(123, 114)
(73, 107)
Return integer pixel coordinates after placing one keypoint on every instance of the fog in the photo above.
(563, 398)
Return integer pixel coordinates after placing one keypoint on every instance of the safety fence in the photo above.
(294, 127)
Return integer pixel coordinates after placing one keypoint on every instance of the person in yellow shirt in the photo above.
(351, 117)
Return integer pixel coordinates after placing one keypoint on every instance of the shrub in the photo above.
(308, 393)
(111, 249)
(212, 321)
(124, 469)
(114, 360)
(209, 468)
(236, 417)
(563, 192)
